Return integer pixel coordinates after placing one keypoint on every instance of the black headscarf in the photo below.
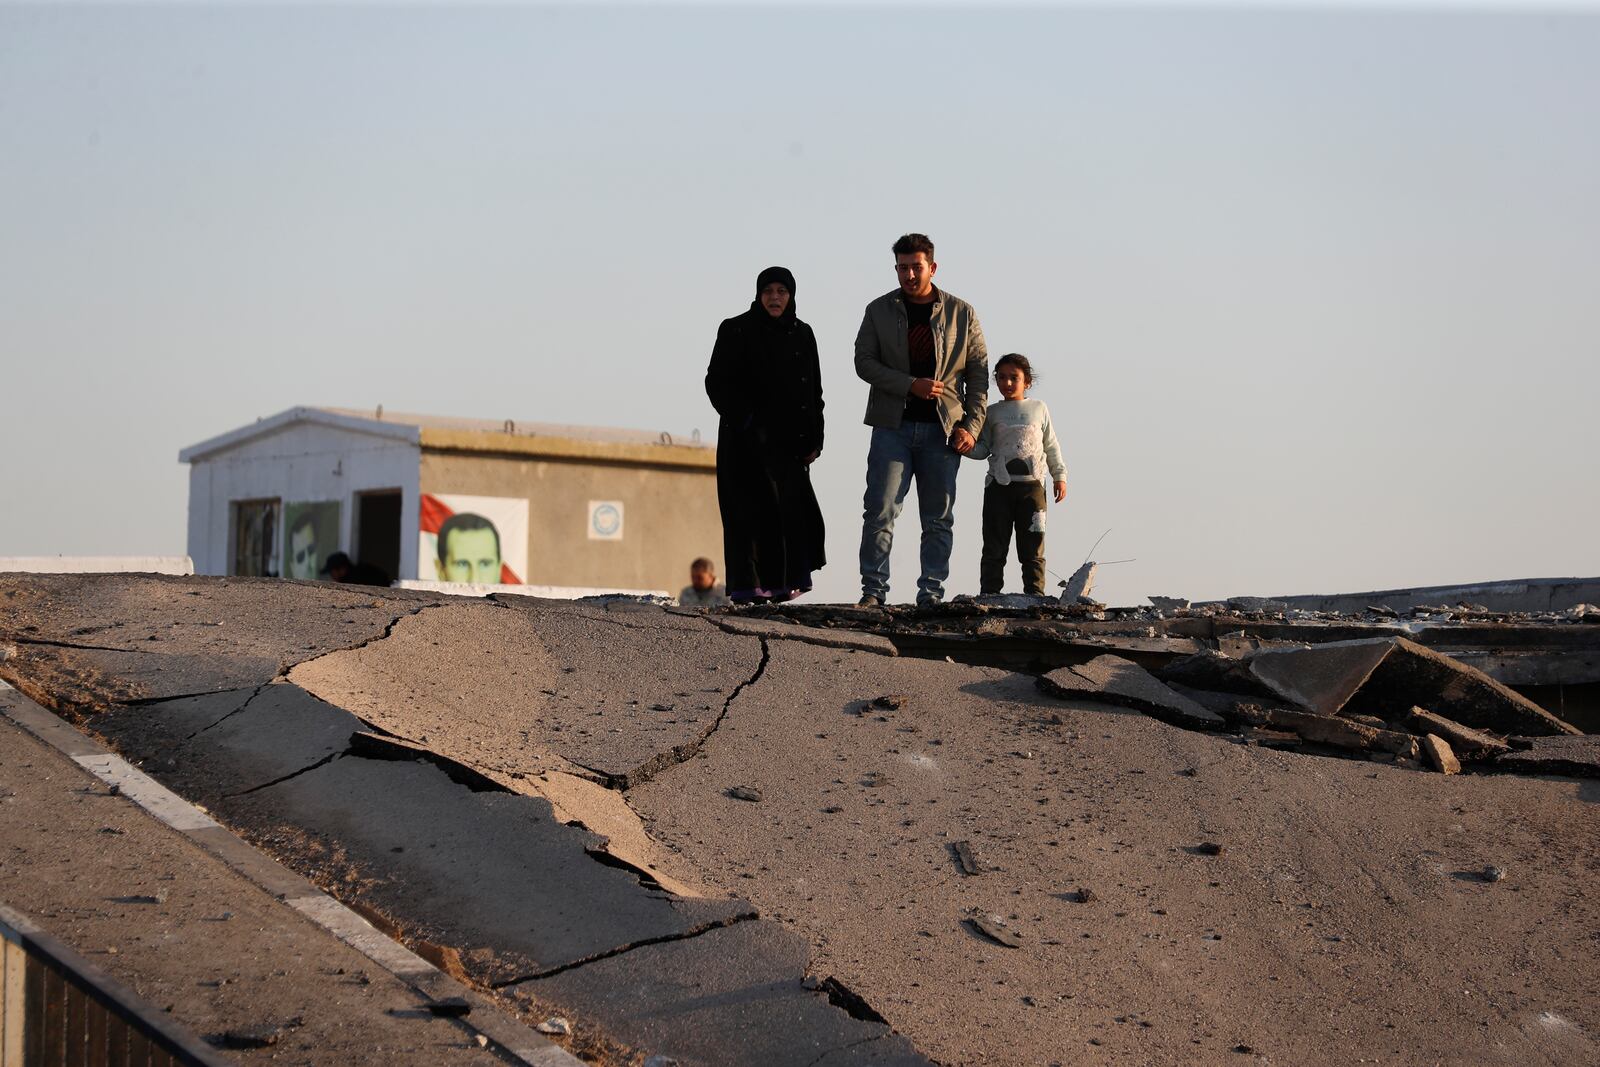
(782, 276)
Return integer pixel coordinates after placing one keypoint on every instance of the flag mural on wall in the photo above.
(477, 539)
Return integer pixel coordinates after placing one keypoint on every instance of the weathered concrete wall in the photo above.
(301, 462)
(96, 564)
(669, 515)
(1523, 594)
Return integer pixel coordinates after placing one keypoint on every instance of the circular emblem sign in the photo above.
(605, 520)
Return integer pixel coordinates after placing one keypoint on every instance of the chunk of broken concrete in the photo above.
(1256, 604)
(964, 857)
(1114, 680)
(1215, 672)
(1436, 750)
(1468, 744)
(1077, 587)
(1341, 732)
(1319, 679)
(990, 927)
(1371, 676)
(744, 792)
(1168, 603)
(554, 1025)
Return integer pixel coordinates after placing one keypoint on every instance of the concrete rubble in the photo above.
(1011, 833)
(1114, 680)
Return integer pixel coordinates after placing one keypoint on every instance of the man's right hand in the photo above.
(927, 388)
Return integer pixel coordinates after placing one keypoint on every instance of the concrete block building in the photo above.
(443, 499)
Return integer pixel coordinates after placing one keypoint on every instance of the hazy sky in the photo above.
(1315, 295)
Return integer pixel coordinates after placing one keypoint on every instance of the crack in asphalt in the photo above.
(150, 702)
(679, 754)
(388, 631)
(82, 648)
(692, 932)
(846, 1048)
(247, 702)
(329, 758)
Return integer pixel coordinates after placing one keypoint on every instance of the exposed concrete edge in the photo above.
(849, 640)
(699, 457)
(487, 1018)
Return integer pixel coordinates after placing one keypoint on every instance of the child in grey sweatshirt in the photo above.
(1021, 447)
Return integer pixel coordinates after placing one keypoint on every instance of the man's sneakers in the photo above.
(869, 601)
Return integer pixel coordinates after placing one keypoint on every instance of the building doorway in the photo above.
(378, 530)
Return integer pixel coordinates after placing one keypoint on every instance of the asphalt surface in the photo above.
(722, 847)
(200, 942)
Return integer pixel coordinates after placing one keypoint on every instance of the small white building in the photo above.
(442, 499)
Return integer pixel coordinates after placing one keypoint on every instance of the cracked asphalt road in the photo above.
(577, 832)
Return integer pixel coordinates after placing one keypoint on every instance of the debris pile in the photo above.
(1431, 687)
(1387, 698)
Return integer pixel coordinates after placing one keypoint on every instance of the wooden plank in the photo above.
(138, 1049)
(13, 1001)
(117, 1031)
(77, 1028)
(33, 1023)
(97, 1051)
(55, 1019)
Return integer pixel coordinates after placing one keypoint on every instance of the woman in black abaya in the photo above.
(766, 384)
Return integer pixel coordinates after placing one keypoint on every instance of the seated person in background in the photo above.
(703, 590)
(339, 568)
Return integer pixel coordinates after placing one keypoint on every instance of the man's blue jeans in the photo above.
(917, 450)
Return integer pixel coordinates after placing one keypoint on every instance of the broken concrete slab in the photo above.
(1321, 678)
(1214, 672)
(1374, 676)
(252, 618)
(1577, 757)
(732, 995)
(230, 743)
(492, 874)
(1437, 754)
(1467, 743)
(1414, 676)
(1340, 732)
(1114, 680)
(543, 687)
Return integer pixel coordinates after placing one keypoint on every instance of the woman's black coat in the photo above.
(766, 383)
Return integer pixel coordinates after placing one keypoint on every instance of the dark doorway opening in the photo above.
(378, 530)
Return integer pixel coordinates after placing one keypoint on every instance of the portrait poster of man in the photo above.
(482, 540)
(310, 536)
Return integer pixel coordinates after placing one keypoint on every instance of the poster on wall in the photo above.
(477, 539)
(605, 520)
(310, 536)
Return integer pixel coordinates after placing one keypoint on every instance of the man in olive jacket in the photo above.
(922, 352)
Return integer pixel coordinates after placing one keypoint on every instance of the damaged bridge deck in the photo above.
(785, 840)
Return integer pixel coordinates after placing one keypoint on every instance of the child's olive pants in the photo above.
(1020, 505)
